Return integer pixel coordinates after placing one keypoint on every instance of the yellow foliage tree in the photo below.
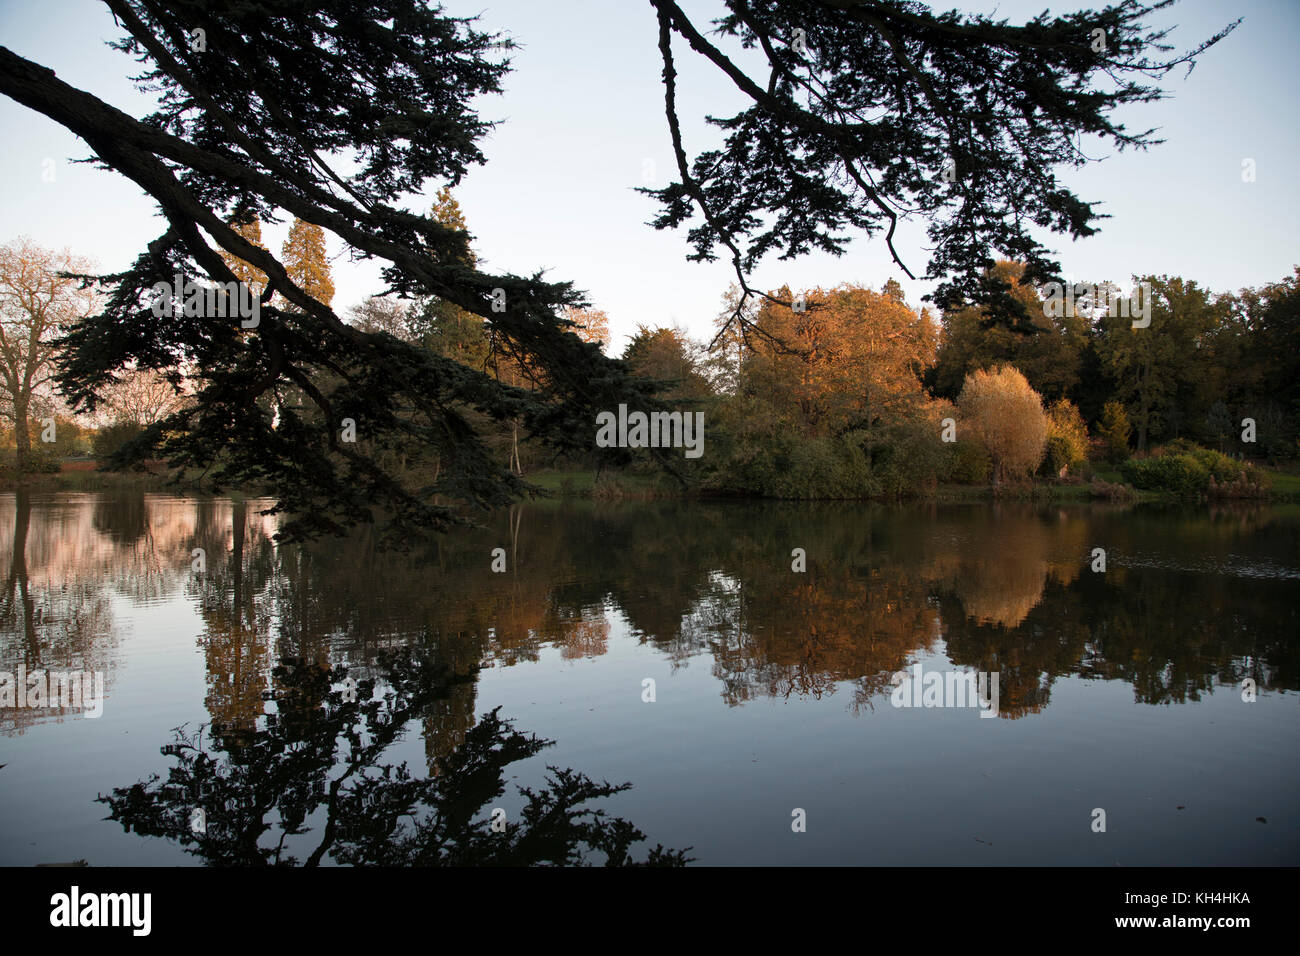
(253, 277)
(1006, 416)
(592, 324)
(1067, 437)
(849, 356)
(306, 262)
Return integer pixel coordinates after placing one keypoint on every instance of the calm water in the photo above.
(327, 703)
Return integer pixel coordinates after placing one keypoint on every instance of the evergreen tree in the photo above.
(248, 125)
(306, 262)
(858, 114)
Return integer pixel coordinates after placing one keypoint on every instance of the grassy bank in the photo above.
(633, 486)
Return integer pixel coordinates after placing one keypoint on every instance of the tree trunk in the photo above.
(22, 437)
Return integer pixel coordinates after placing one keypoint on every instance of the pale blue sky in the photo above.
(583, 124)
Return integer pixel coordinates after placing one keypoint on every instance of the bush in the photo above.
(1181, 474)
(1058, 456)
(1184, 467)
(1111, 492)
(907, 459)
(112, 437)
(42, 459)
(970, 463)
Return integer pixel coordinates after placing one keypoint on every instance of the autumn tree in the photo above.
(1007, 418)
(1067, 438)
(306, 262)
(591, 324)
(837, 358)
(37, 301)
(249, 228)
(826, 398)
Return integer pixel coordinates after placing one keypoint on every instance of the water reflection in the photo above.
(1189, 600)
(309, 785)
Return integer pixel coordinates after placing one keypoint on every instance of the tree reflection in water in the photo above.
(309, 786)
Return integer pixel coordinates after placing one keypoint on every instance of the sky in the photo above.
(582, 125)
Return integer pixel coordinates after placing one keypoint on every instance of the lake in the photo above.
(336, 703)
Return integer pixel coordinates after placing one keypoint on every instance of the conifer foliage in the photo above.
(256, 102)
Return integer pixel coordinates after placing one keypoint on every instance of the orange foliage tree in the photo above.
(1007, 418)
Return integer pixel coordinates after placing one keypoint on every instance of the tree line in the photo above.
(823, 392)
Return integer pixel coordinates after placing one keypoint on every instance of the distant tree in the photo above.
(849, 357)
(1007, 418)
(1219, 422)
(667, 357)
(36, 303)
(306, 261)
(1156, 368)
(383, 314)
(1267, 374)
(894, 290)
(1050, 355)
(443, 326)
(447, 211)
(1114, 429)
(141, 398)
(592, 325)
(1067, 438)
(249, 228)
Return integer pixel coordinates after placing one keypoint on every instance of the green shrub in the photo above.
(970, 463)
(1182, 474)
(112, 437)
(1183, 467)
(1058, 456)
(42, 459)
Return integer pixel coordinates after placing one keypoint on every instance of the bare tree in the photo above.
(141, 397)
(36, 302)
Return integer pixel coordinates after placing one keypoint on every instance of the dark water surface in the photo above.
(1118, 691)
